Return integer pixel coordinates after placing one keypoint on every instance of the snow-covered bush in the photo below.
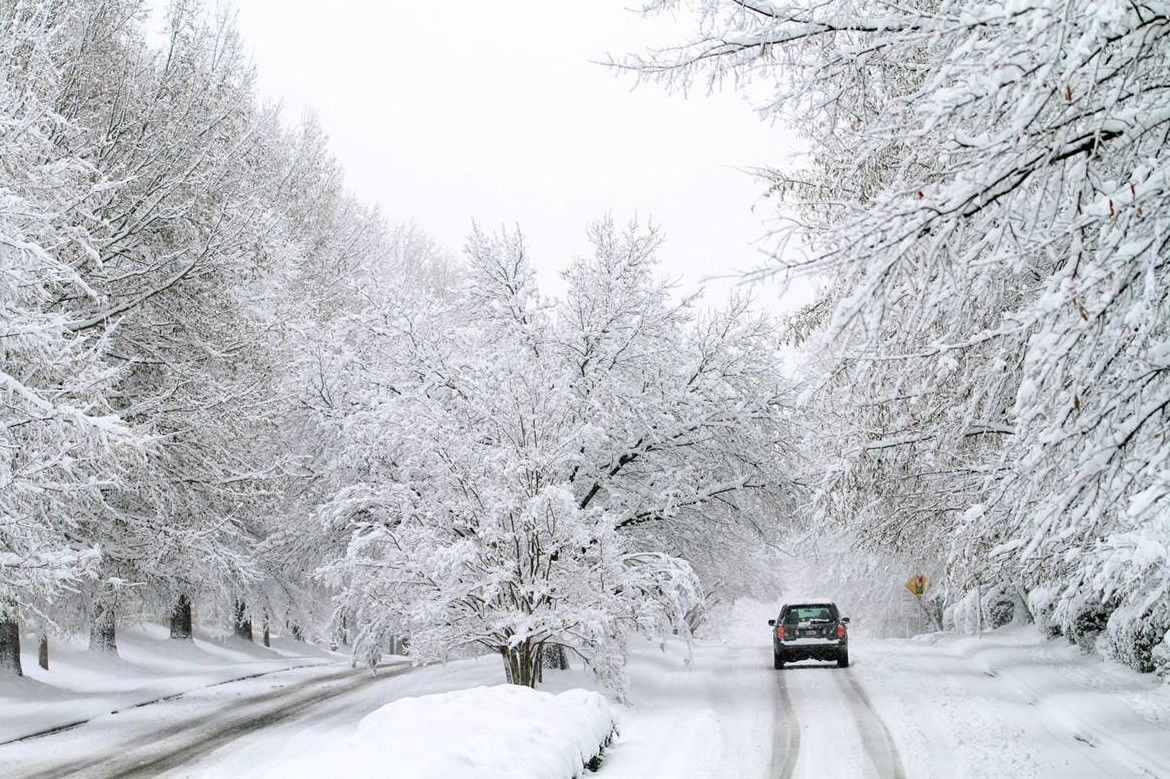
(1041, 603)
(962, 614)
(1005, 606)
(1083, 618)
(1134, 638)
(1129, 570)
(1160, 656)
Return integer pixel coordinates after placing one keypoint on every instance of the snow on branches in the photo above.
(523, 462)
(988, 188)
(165, 247)
(61, 444)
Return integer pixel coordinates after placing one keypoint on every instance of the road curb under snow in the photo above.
(78, 723)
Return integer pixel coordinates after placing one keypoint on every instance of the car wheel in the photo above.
(777, 662)
(843, 659)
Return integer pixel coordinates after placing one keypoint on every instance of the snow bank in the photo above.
(500, 731)
(1014, 703)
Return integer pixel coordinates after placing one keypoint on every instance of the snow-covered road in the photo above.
(1007, 704)
(732, 715)
(826, 710)
(152, 739)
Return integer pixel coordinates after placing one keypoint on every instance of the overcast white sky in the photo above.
(444, 112)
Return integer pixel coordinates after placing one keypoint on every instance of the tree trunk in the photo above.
(267, 635)
(242, 622)
(555, 657)
(978, 609)
(9, 645)
(43, 652)
(103, 620)
(181, 618)
(522, 664)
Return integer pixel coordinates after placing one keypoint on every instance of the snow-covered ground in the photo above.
(80, 685)
(177, 732)
(1012, 703)
(1009, 703)
(502, 731)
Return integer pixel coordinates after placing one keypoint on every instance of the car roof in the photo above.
(808, 602)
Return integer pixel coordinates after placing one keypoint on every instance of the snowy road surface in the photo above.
(150, 740)
(1008, 704)
(831, 704)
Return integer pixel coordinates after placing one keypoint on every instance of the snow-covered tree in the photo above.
(529, 472)
(349, 263)
(987, 188)
(175, 268)
(179, 236)
(61, 446)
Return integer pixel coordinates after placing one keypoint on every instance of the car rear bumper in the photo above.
(791, 652)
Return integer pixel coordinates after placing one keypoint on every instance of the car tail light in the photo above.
(779, 632)
(840, 630)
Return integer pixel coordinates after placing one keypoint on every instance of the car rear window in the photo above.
(819, 611)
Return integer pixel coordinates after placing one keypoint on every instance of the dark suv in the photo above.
(812, 630)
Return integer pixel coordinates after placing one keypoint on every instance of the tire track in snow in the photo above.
(161, 699)
(875, 736)
(236, 729)
(148, 754)
(785, 737)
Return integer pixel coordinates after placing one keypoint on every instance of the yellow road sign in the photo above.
(918, 585)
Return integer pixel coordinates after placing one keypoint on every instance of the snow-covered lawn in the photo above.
(80, 684)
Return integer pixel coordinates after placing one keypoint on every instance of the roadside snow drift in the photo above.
(500, 731)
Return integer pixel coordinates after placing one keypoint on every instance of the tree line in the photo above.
(171, 253)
